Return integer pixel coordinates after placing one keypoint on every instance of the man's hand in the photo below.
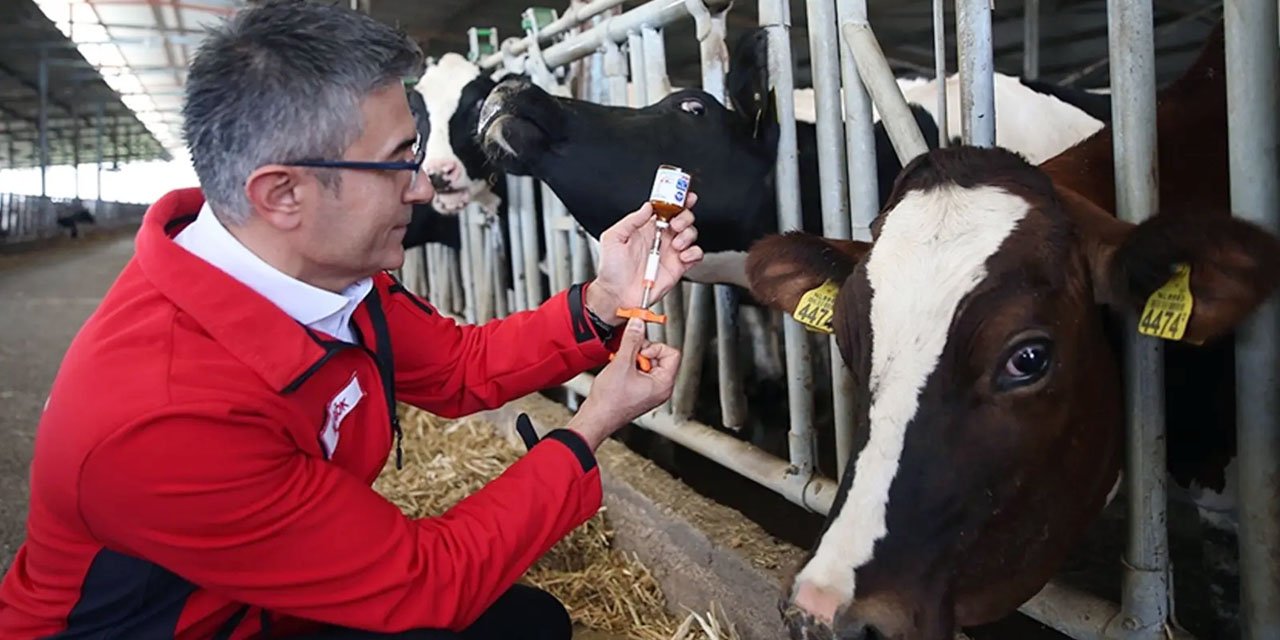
(624, 250)
(621, 392)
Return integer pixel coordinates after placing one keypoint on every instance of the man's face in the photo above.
(357, 230)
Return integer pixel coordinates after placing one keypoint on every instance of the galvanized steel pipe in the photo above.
(571, 18)
(655, 13)
(813, 493)
(833, 174)
(1031, 39)
(534, 294)
(515, 202)
(977, 68)
(1253, 69)
(940, 68)
(775, 16)
(1145, 604)
(878, 79)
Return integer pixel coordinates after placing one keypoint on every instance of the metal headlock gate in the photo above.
(469, 284)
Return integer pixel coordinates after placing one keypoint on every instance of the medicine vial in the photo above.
(670, 187)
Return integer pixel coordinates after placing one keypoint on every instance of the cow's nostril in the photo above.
(439, 181)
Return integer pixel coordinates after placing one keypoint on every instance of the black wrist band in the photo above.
(603, 329)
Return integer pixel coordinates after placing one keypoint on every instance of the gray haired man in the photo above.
(203, 466)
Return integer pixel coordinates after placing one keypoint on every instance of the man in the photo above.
(203, 466)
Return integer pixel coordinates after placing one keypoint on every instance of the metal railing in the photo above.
(850, 73)
(24, 217)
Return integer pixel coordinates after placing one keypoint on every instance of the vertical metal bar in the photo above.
(433, 276)
(44, 121)
(635, 52)
(465, 231)
(940, 68)
(1031, 39)
(529, 223)
(824, 52)
(1253, 69)
(453, 264)
(656, 88)
(775, 15)
(901, 127)
(1145, 601)
(98, 124)
(75, 144)
(481, 266)
(977, 66)
(515, 206)
(494, 283)
(615, 71)
(559, 223)
(655, 69)
(714, 58)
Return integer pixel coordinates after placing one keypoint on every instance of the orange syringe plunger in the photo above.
(670, 188)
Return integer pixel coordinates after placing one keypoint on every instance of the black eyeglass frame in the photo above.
(419, 155)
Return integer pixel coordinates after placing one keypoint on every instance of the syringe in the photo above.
(651, 267)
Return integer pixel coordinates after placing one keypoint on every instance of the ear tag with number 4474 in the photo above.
(1169, 308)
(817, 307)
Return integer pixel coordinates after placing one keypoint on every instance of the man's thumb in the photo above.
(632, 339)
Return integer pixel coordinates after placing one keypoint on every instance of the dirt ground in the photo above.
(47, 294)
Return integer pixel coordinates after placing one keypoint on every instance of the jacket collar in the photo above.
(248, 325)
(317, 308)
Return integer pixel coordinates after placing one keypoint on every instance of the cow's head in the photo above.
(988, 385)
(452, 91)
(601, 160)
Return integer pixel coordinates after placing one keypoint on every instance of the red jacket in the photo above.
(181, 485)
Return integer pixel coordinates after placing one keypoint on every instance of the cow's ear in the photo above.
(748, 82)
(782, 268)
(1189, 277)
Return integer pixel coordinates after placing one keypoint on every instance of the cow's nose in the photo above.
(448, 170)
(802, 625)
(438, 181)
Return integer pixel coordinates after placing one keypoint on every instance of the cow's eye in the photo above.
(693, 106)
(1027, 363)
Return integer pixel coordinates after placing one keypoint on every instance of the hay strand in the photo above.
(605, 589)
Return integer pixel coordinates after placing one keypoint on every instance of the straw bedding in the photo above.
(605, 589)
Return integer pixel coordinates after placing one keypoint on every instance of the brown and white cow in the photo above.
(980, 329)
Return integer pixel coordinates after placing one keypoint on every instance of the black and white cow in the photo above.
(600, 160)
(452, 91)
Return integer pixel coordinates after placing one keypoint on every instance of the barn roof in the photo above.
(136, 66)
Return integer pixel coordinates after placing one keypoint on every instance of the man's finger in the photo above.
(690, 199)
(623, 229)
(685, 239)
(682, 221)
(632, 340)
(691, 255)
(665, 364)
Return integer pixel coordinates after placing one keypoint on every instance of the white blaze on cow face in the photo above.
(441, 86)
(931, 253)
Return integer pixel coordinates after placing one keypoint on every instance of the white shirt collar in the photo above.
(312, 306)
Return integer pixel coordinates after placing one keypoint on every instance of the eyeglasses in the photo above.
(419, 154)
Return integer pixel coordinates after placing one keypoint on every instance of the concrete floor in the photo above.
(45, 296)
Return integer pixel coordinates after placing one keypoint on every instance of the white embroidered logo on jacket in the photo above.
(341, 405)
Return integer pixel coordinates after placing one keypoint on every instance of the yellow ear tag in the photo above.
(817, 307)
(1169, 307)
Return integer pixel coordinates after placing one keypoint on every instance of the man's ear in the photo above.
(1234, 266)
(782, 268)
(276, 193)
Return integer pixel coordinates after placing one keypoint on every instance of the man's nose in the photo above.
(420, 191)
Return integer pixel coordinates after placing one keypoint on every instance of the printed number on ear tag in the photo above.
(1169, 307)
(817, 307)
